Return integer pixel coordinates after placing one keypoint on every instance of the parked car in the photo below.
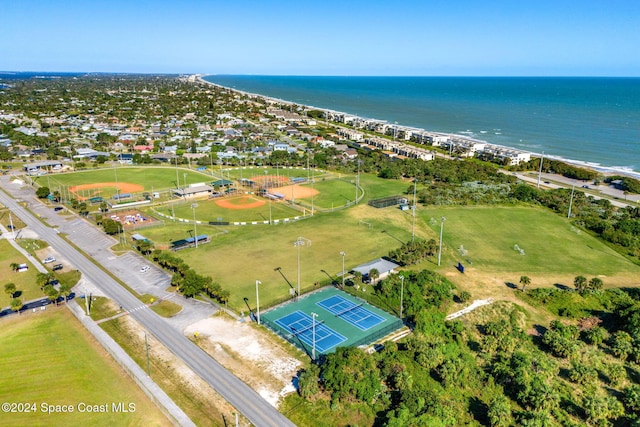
(58, 208)
(144, 268)
(48, 260)
(57, 267)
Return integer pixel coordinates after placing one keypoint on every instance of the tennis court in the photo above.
(340, 320)
(303, 327)
(353, 313)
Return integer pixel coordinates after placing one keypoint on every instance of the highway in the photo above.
(249, 403)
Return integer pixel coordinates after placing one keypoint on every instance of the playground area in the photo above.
(327, 319)
(134, 218)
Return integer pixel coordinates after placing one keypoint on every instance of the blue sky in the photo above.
(348, 37)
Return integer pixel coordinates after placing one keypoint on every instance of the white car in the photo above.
(48, 260)
(144, 269)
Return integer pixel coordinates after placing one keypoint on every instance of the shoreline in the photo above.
(605, 170)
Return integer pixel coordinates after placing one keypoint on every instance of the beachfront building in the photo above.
(505, 156)
(350, 134)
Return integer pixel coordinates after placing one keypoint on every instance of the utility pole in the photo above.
(313, 330)
(573, 187)
(413, 225)
(540, 171)
(401, 293)
(440, 247)
(258, 282)
(343, 255)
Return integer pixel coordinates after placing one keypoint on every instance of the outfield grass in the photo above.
(248, 172)
(25, 282)
(151, 178)
(333, 193)
(238, 256)
(208, 210)
(550, 243)
(49, 358)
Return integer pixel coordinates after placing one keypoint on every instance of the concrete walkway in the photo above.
(477, 303)
(151, 389)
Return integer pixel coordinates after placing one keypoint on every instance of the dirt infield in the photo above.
(124, 187)
(296, 191)
(244, 202)
(270, 181)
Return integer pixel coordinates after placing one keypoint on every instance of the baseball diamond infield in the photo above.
(124, 187)
(244, 202)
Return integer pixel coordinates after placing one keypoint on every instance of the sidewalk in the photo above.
(151, 389)
(9, 236)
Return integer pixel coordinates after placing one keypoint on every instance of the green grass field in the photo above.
(208, 210)
(49, 358)
(239, 255)
(151, 178)
(25, 282)
(550, 244)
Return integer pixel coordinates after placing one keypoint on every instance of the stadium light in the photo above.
(195, 230)
(443, 219)
(258, 282)
(313, 333)
(343, 255)
(299, 243)
(401, 292)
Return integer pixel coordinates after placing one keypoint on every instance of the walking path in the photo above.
(475, 304)
(151, 389)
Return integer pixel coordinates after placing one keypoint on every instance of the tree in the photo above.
(580, 283)
(43, 279)
(42, 192)
(10, 289)
(16, 305)
(374, 274)
(51, 293)
(596, 284)
(64, 291)
(524, 281)
(622, 344)
(14, 266)
(500, 411)
(111, 226)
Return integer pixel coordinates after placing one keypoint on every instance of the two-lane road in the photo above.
(242, 397)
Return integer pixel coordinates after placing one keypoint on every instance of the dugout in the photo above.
(388, 201)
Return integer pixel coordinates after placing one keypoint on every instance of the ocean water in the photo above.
(595, 121)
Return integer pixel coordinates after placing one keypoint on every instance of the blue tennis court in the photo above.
(351, 312)
(301, 326)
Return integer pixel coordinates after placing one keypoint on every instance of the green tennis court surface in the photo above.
(340, 320)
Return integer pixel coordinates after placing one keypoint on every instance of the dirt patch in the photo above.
(244, 202)
(270, 180)
(258, 358)
(295, 191)
(124, 187)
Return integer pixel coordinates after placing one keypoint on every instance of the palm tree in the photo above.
(374, 274)
(524, 281)
(580, 282)
(64, 291)
(10, 289)
(16, 305)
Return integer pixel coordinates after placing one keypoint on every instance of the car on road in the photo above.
(57, 267)
(585, 186)
(48, 260)
(58, 208)
(144, 269)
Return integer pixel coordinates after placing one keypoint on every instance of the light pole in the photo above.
(184, 175)
(313, 334)
(299, 243)
(343, 255)
(401, 293)
(258, 282)
(195, 229)
(440, 247)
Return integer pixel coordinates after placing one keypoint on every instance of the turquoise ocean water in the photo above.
(590, 120)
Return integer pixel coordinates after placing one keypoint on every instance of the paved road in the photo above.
(242, 397)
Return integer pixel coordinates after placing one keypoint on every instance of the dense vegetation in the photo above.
(580, 371)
